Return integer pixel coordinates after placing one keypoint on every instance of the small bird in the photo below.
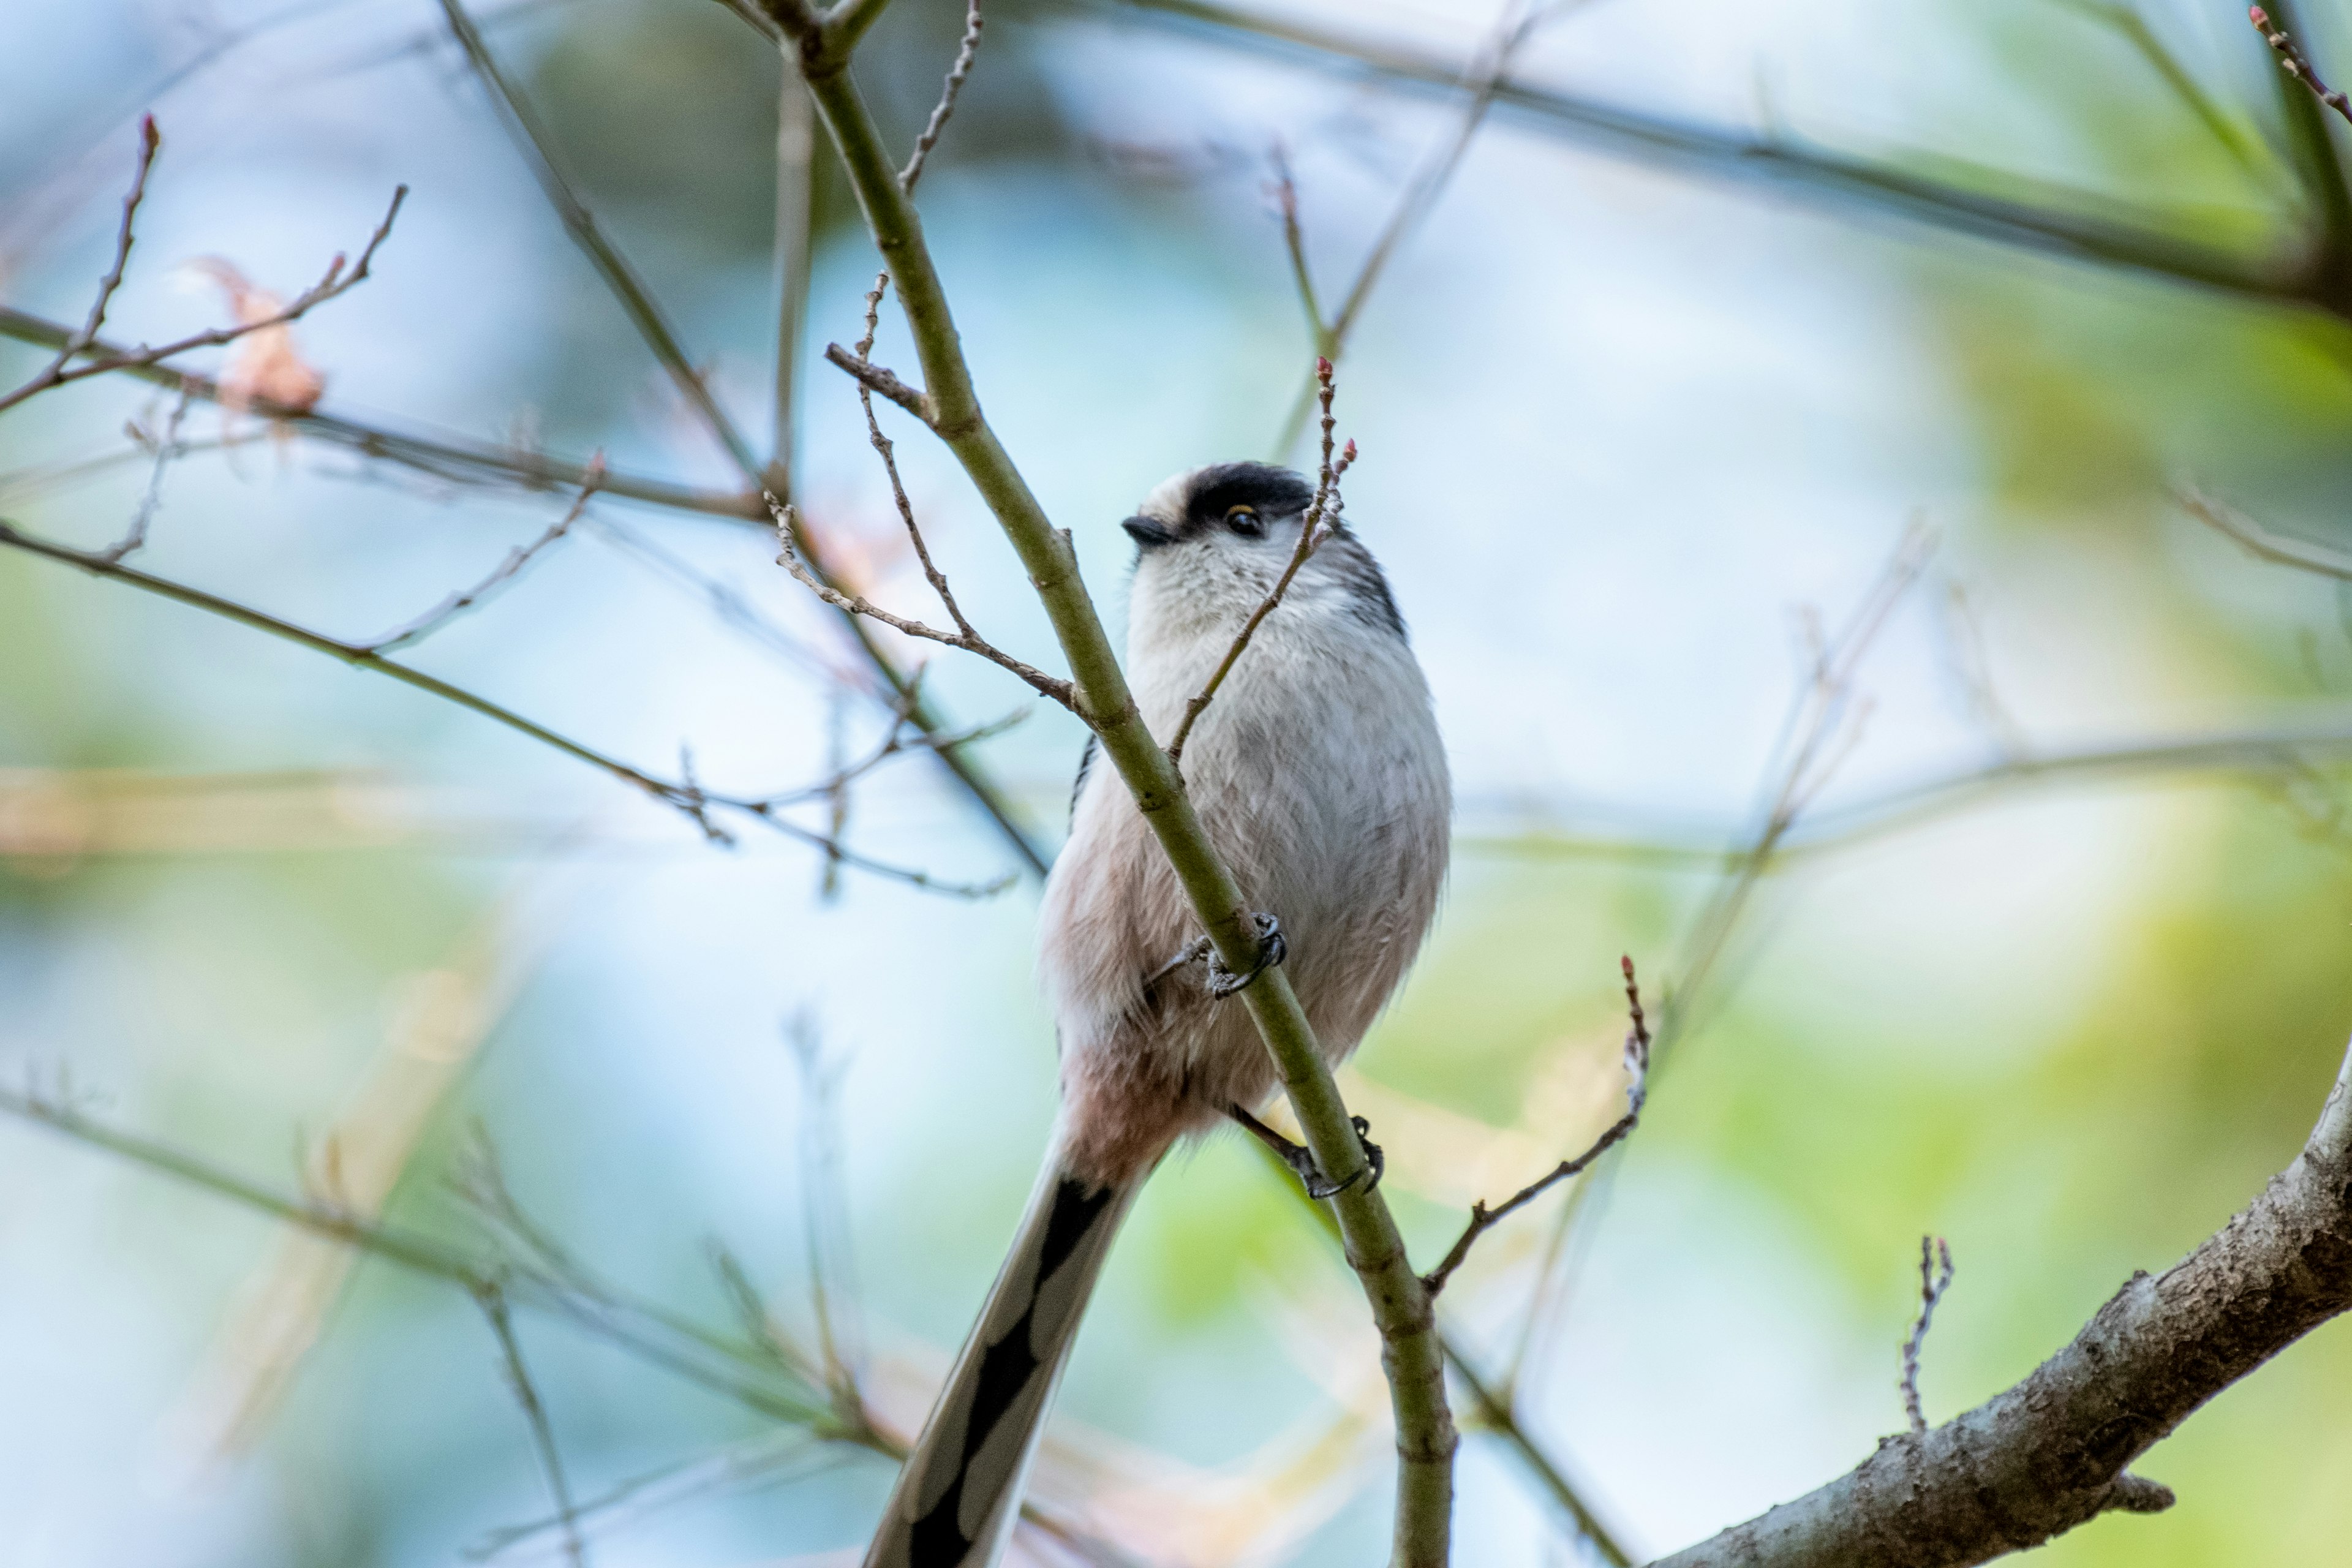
(1318, 774)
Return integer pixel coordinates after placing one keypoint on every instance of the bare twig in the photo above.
(1045, 685)
(747, 1372)
(1483, 78)
(833, 1294)
(930, 139)
(443, 459)
(150, 142)
(1637, 1091)
(493, 1302)
(61, 372)
(1319, 522)
(166, 445)
(2292, 61)
(2299, 554)
(539, 149)
(2051, 1452)
(686, 797)
(1935, 1278)
(876, 378)
(465, 599)
(1293, 240)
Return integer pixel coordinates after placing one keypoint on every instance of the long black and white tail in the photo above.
(956, 1499)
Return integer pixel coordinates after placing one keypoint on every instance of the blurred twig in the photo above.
(2299, 554)
(493, 1302)
(537, 146)
(82, 345)
(743, 1372)
(687, 797)
(965, 54)
(1481, 78)
(2071, 224)
(2292, 61)
(512, 567)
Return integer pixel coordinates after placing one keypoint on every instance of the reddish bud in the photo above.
(1626, 963)
(149, 136)
(1349, 451)
(2261, 18)
(1322, 368)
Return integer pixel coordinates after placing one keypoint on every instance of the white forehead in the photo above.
(1169, 497)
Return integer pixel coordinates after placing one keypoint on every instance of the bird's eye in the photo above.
(1244, 520)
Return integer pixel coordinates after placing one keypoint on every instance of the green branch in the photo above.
(1401, 1310)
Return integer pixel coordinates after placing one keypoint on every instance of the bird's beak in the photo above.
(1149, 532)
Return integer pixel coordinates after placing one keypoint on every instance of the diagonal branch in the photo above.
(150, 142)
(537, 146)
(493, 1302)
(685, 797)
(512, 567)
(967, 53)
(1045, 685)
(1412, 1359)
(2260, 540)
(2069, 223)
(2051, 1452)
(1637, 1067)
(1320, 521)
(82, 345)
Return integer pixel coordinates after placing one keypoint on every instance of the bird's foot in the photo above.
(1272, 947)
(1301, 1159)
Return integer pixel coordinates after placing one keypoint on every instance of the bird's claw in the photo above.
(1272, 947)
(1301, 1159)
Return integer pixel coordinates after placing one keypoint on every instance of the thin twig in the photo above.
(150, 142)
(493, 1303)
(536, 145)
(465, 599)
(930, 139)
(1293, 240)
(2292, 61)
(1637, 1090)
(691, 800)
(2299, 554)
(167, 446)
(1045, 685)
(745, 1372)
(1320, 521)
(539, 149)
(2134, 30)
(832, 1295)
(876, 378)
(796, 239)
(335, 282)
(451, 461)
(1933, 1282)
(1482, 79)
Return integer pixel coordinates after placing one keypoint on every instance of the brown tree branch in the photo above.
(1045, 685)
(1320, 521)
(1637, 1091)
(2051, 1452)
(871, 377)
(83, 344)
(2292, 61)
(1935, 1278)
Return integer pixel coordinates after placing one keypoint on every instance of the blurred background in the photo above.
(1774, 422)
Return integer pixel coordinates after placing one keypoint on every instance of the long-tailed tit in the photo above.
(1318, 774)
